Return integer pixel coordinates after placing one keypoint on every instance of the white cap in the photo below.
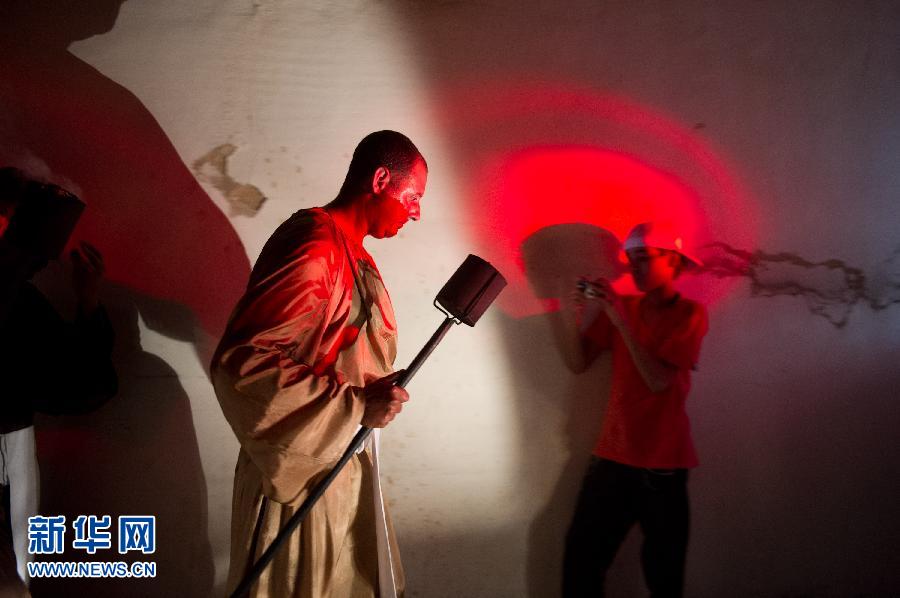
(652, 234)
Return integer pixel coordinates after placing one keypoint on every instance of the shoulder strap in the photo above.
(363, 296)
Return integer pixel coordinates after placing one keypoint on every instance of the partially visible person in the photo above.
(639, 468)
(47, 364)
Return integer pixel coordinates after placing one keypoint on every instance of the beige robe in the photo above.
(288, 374)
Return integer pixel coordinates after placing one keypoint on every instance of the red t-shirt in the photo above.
(642, 428)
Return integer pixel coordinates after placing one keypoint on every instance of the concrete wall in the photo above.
(193, 128)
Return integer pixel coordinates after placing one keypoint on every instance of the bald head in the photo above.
(389, 149)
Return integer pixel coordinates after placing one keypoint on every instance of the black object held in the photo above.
(44, 219)
(464, 298)
(471, 290)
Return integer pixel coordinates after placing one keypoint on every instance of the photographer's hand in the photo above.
(609, 301)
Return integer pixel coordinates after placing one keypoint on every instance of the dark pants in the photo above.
(613, 497)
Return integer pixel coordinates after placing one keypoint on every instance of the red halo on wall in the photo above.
(540, 155)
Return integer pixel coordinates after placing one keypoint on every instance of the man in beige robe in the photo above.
(307, 358)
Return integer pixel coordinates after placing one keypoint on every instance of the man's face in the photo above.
(398, 203)
(652, 267)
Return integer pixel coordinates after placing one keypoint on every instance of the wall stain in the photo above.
(831, 288)
(212, 168)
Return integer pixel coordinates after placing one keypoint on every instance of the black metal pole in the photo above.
(297, 518)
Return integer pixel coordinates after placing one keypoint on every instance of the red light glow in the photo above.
(543, 156)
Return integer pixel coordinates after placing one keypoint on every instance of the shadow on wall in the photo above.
(173, 258)
(555, 257)
(137, 455)
(161, 235)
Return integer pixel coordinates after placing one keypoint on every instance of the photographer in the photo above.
(639, 468)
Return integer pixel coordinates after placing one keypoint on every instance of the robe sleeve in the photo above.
(292, 414)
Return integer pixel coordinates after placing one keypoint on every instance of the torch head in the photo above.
(471, 290)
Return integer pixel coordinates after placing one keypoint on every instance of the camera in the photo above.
(586, 288)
